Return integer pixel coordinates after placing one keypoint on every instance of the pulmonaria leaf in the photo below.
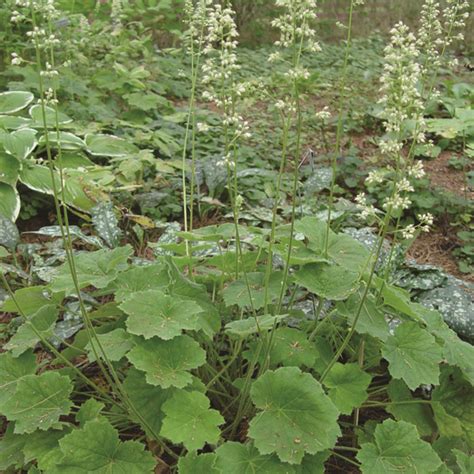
(152, 313)
(189, 420)
(115, 344)
(9, 235)
(167, 363)
(28, 334)
(92, 268)
(12, 369)
(193, 463)
(236, 458)
(290, 347)
(347, 385)
(97, 448)
(296, 416)
(419, 414)
(332, 282)
(413, 355)
(397, 447)
(38, 402)
(106, 223)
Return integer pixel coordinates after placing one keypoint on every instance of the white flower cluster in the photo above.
(323, 115)
(455, 15)
(424, 225)
(296, 24)
(439, 28)
(40, 36)
(220, 66)
(400, 81)
(366, 210)
(195, 15)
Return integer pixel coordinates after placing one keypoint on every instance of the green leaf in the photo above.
(147, 399)
(137, 279)
(413, 355)
(31, 299)
(464, 461)
(371, 320)
(290, 347)
(397, 448)
(236, 458)
(93, 268)
(11, 450)
(453, 406)
(12, 369)
(97, 448)
(90, 410)
(313, 464)
(347, 385)
(193, 464)
(65, 141)
(36, 113)
(115, 343)
(419, 414)
(9, 169)
(43, 321)
(9, 208)
(332, 282)
(167, 363)
(342, 248)
(14, 101)
(38, 402)
(246, 327)
(43, 447)
(20, 143)
(11, 122)
(106, 223)
(152, 313)
(9, 235)
(238, 293)
(109, 145)
(296, 418)
(189, 420)
(38, 178)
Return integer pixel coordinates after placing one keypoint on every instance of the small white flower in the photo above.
(202, 127)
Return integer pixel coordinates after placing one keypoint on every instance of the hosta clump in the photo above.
(214, 384)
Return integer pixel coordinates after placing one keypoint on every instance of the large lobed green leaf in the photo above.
(296, 416)
(397, 448)
(97, 448)
(167, 363)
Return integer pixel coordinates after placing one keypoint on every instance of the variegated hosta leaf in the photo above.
(14, 101)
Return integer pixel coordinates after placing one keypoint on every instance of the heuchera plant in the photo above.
(211, 361)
